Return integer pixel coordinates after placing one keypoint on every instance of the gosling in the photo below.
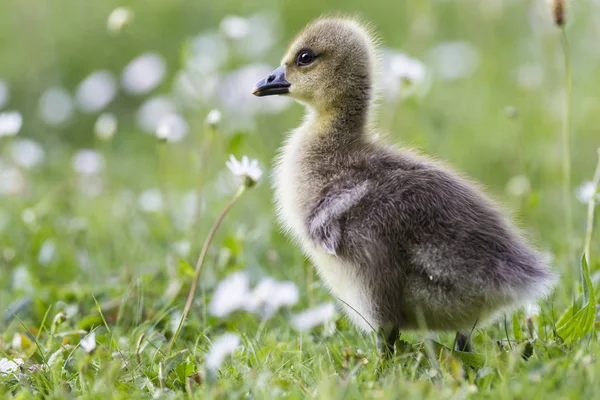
(402, 241)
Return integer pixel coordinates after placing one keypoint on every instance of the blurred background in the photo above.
(91, 200)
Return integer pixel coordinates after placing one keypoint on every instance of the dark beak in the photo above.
(275, 83)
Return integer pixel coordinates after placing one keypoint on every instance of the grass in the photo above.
(73, 263)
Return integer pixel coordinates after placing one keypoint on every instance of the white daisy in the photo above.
(96, 91)
(532, 310)
(221, 348)
(151, 200)
(88, 343)
(26, 153)
(8, 367)
(56, 106)
(144, 73)
(586, 191)
(106, 126)
(235, 27)
(172, 128)
(10, 123)
(213, 118)
(230, 295)
(88, 162)
(270, 295)
(313, 317)
(402, 75)
(118, 19)
(247, 169)
(518, 186)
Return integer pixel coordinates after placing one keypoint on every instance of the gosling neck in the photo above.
(342, 123)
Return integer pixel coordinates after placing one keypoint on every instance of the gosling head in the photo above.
(329, 65)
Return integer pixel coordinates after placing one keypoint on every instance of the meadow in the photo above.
(117, 119)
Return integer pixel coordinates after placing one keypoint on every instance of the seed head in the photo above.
(559, 11)
(58, 320)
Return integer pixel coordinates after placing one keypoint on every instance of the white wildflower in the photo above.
(88, 162)
(118, 19)
(55, 106)
(106, 126)
(58, 320)
(22, 279)
(10, 123)
(172, 128)
(313, 317)
(17, 342)
(407, 68)
(46, 253)
(230, 295)
(88, 343)
(174, 321)
(454, 60)
(402, 75)
(182, 248)
(586, 191)
(152, 111)
(151, 200)
(264, 31)
(9, 367)
(518, 186)
(246, 169)
(96, 91)
(222, 347)
(28, 216)
(26, 153)
(209, 52)
(12, 180)
(270, 295)
(235, 27)
(267, 297)
(144, 73)
(532, 310)
(71, 310)
(213, 118)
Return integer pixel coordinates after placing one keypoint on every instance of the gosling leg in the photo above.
(463, 342)
(386, 339)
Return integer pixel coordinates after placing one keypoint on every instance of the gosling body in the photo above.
(402, 241)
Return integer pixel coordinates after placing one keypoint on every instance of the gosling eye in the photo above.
(305, 57)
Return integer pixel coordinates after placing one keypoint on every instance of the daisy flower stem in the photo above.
(163, 175)
(566, 144)
(211, 234)
(204, 159)
(590, 212)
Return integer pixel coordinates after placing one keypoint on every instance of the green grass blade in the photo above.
(577, 322)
